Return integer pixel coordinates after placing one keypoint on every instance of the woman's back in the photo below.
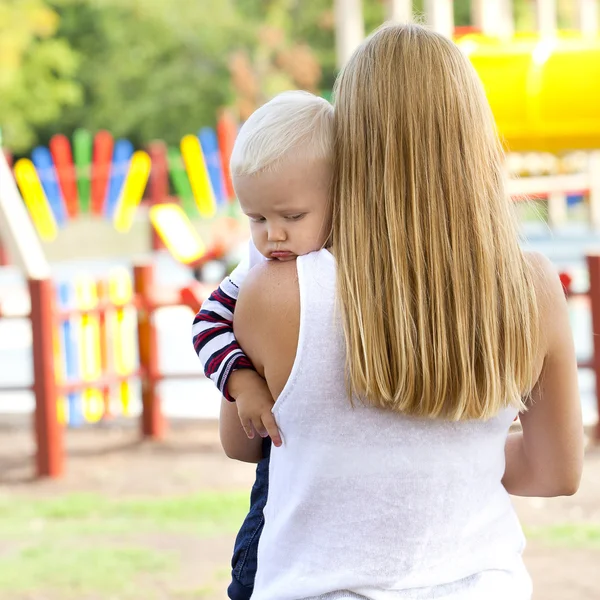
(373, 502)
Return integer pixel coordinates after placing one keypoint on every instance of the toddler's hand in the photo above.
(254, 403)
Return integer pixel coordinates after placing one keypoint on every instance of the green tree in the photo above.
(36, 71)
(304, 25)
(150, 69)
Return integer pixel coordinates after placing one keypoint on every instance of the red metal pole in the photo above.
(9, 158)
(152, 421)
(593, 263)
(159, 184)
(48, 431)
(4, 258)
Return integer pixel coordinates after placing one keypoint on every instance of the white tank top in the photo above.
(366, 503)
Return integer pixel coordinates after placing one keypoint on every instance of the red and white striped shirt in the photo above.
(212, 330)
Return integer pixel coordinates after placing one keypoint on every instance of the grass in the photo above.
(88, 546)
(204, 514)
(571, 535)
(69, 569)
(80, 546)
(532, 210)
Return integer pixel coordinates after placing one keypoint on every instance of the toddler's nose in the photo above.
(276, 234)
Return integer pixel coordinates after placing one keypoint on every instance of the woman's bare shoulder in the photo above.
(540, 264)
(268, 281)
(267, 318)
(550, 296)
(545, 278)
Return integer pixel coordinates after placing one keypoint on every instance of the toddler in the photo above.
(281, 172)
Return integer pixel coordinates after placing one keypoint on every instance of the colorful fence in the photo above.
(90, 341)
(99, 176)
(188, 173)
(106, 178)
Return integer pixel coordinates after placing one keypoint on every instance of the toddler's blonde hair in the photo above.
(292, 122)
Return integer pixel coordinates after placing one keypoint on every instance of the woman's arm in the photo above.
(266, 324)
(546, 459)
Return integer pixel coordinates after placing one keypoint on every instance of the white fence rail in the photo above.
(555, 188)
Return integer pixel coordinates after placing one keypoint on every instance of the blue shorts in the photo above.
(245, 551)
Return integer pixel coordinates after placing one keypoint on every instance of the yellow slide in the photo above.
(544, 93)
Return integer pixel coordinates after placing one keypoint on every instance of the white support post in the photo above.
(594, 187)
(349, 29)
(587, 17)
(399, 11)
(16, 228)
(493, 17)
(557, 208)
(440, 16)
(546, 18)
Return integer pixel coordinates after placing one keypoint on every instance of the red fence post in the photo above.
(4, 258)
(152, 421)
(593, 263)
(48, 431)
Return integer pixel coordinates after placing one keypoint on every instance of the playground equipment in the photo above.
(544, 87)
(105, 358)
(199, 174)
(92, 338)
(108, 179)
(544, 93)
(85, 393)
(56, 190)
(90, 342)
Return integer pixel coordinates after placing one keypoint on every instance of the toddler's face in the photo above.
(288, 207)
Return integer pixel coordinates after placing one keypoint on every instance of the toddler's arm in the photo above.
(212, 332)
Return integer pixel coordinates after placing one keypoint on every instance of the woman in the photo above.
(400, 357)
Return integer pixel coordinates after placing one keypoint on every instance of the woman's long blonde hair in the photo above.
(438, 306)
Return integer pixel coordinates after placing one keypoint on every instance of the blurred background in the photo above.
(117, 218)
(148, 70)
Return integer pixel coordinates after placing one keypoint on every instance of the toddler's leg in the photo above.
(245, 551)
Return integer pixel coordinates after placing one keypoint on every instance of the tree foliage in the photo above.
(150, 69)
(37, 71)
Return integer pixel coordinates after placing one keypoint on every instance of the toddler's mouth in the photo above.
(282, 255)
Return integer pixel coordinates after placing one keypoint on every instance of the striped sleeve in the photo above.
(214, 342)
